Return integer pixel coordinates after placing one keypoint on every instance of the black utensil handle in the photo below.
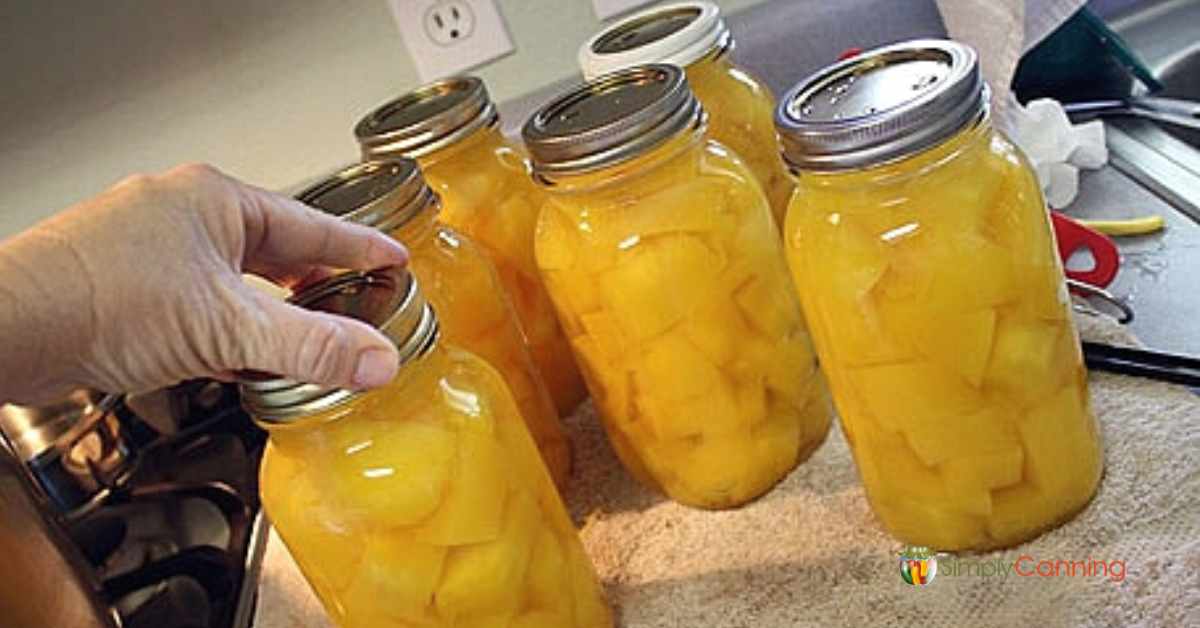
(1166, 367)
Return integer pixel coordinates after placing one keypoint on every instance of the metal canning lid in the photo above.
(379, 194)
(386, 298)
(426, 119)
(679, 33)
(611, 119)
(881, 105)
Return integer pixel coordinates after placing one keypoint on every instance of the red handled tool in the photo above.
(1072, 236)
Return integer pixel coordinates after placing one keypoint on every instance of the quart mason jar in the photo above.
(421, 503)
(659, 252)
(451, 128)
(693, 36)
(923, 253)
(458, 280)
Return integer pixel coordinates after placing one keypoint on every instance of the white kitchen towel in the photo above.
(810, 553)
(1001, 31)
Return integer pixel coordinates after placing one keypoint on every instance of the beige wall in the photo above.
(266, 90)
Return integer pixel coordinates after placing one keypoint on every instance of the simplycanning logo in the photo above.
(918, 565)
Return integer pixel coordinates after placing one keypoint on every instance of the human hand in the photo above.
(141, 287)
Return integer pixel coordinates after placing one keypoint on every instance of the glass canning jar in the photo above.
(922, 250)
(459, 281)
(740, 107)
(659, 253)
(452, 129)
(421, 502)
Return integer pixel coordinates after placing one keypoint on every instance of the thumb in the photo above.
(319, 348)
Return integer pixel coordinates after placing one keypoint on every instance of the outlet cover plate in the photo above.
(447, 37)
(608, 8)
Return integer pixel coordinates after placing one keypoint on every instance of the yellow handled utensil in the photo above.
(1132, 226)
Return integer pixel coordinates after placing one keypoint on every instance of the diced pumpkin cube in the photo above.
(674, 369)
(769, 305)
(521, 456)
(900, 395)
(1021, 510)
(961, 341)
(751, 402)
(322, 540)
(973, 273)
(572, 296)
(1024, 359)
(677, 408)
(969, 480)
(540, 619)
(717, 330)
(857, 334)
(956, 203)
(607, 382)
(1062, 446)
(500, 620)
(474, 505)
(792, 369)
(694, 209)
(463, 188)
(548, 585)
(777, 446)
(934, 525)
(367, 611)
(893, 472)
(557, 244)
(511, 228)
(400, 571)
(1046, 297)
(488, 579)
(1011, 224)
(669, 420)
(711, 472)
(400, 475)
(860, 262)
(609, 336)
(717, 412)
(968, 498)
(990, 470)
(936, 439)
(815, 416)
(749, 364)
(910, 271)
(660, 282)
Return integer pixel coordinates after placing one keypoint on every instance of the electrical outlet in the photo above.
(447, 23)
(608, 8)
(446, 37)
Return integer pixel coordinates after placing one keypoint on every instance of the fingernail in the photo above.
(375, 368)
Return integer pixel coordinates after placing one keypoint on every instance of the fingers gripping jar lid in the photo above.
(379, 194)
(881, 105)
(679, 33)
(611, 119)
(426, 119)
(387, 299)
